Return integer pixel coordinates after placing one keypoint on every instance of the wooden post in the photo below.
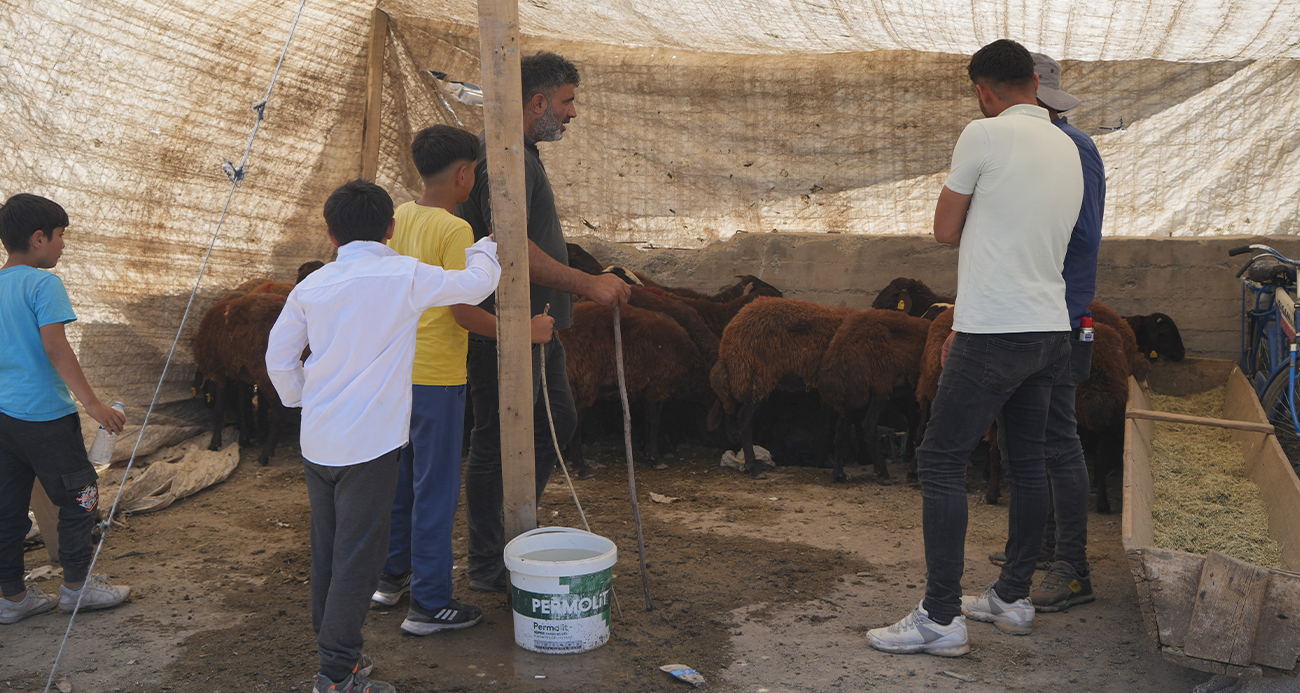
(374, 94)
(503, 117)
(47, 518)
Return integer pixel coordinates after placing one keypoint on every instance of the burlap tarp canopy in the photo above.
(696, 120)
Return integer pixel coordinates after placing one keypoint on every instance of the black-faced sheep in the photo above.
(874, 355)
(659, 361)
(1157, 336)
(910, 296)
(748, 284)
(771, 343)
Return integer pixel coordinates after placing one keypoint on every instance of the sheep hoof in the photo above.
(991, 500)
(660, 465)
(264, 461)
(885, 481)
(585, 474)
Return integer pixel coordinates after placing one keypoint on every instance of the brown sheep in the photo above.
(230, 346)
(659, 361)
(910, 296)
(771, 343)
(748, 284)
(1099, 407)
(1103, 314)
(872, 354)
(663, 302)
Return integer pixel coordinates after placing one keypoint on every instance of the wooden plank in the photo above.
(1145, 596)
(47, 518)
(1139, 495)
(1267, 465)
(1174, 577)
(371, 128)
(1277, 639)
(1199, 420)
(1226, 610)
(503, 116)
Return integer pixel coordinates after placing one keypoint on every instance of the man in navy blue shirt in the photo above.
(1068, 582)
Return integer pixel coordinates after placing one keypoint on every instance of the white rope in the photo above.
(236, 175)
(555, 440)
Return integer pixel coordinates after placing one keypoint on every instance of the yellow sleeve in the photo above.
(460, 237)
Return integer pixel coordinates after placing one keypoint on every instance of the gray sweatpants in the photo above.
(350, 511)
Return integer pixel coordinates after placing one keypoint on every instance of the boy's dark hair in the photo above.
(544, 72)
(436, 148)
(23, 215)
(1003, 63)
(358, 211)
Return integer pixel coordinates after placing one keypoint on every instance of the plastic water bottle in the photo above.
(101, 451)
(1085, 329)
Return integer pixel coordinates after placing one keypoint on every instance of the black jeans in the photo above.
(985, 374)
(483, 489)
(350, 512)
(54, 452)
(1067, 473)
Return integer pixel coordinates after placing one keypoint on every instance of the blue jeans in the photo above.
(1067, 473)
(985, 374)
(428, 491)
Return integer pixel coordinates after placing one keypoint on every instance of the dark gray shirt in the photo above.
(543, 228)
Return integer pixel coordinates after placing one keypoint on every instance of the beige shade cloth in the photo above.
(696, 120)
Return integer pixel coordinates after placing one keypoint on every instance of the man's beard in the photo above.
(548, 127)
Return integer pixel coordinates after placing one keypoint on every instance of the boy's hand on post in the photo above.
(608, 290)
(543, 328)
(111, 419)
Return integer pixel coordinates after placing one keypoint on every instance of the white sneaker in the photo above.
(1016, 618)
(917, 633)
(34, 602)
(99, 595)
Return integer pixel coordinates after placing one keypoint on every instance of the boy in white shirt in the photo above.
(359, 316)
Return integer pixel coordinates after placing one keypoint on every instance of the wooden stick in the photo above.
(627, 447)
(503, 118)
(1199, 420)
(371, 128)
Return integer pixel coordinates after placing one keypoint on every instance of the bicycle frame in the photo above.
(1268, 335)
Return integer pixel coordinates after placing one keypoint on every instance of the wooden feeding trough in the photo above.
(1213, 612)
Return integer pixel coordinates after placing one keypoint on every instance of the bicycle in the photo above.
(1268, 339)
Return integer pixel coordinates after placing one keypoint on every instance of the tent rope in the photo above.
(236, 176)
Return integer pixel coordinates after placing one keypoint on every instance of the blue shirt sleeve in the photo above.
(50, 302)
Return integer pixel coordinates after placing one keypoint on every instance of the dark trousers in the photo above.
(1067, 473)
(54, 452)
(483, 490)
(428, 491)
(985, 374)
(350, 510)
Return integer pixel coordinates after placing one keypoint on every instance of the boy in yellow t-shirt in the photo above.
(428, 486)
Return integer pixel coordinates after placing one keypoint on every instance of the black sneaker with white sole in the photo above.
(454, 616)
(391, 588)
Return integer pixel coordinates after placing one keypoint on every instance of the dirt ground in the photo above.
(763, 586)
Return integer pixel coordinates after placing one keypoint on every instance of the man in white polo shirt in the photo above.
(1010, 203)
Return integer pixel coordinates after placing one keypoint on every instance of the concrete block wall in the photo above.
(1189, 279)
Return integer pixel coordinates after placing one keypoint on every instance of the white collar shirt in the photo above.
(359, 316)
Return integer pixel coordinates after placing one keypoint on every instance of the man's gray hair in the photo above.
(544, 72)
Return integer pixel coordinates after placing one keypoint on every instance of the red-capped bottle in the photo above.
(1085, 329)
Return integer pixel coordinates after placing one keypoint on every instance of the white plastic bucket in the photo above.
(562, 581)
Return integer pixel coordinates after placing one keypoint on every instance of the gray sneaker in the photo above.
(98, 595)
(454, 616)
(391, 588)
(34, 602)
(356, 682)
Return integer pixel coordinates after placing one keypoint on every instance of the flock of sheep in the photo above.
(727, 352)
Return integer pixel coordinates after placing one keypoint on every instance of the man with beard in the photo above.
(549, 83)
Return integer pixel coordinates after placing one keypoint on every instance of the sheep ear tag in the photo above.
(901, 305)
(1154, 354)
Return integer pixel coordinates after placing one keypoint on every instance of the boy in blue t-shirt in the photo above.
(40, 432)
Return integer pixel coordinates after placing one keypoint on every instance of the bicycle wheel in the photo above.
(1277, 407)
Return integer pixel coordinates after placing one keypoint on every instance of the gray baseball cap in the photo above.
(1049, 84)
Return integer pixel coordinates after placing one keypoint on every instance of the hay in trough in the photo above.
(1203, 499)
